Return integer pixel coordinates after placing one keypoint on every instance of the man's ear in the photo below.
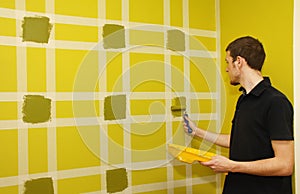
(239, 61)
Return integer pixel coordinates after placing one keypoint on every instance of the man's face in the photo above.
(232, 70)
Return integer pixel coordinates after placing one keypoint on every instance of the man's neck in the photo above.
(251, 79)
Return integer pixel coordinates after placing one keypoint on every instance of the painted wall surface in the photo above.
(87, 90)
(272, 23)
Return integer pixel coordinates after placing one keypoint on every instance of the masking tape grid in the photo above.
(90, 121)
(55, 44)
(69, 96)
(65, 174)
(51, 88)
(77, 45)
(187, 87)
(126, 87)
(21, 86)
(168, 81)
(84, 21)
(103, 126)
(102, 9)
(161, 185)
(101, 94)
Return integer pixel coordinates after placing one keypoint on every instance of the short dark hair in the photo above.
(250, 49)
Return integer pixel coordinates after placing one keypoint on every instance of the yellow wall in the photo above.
(272, 23)
(77, 147)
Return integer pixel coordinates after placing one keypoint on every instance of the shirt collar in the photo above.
(259, 88)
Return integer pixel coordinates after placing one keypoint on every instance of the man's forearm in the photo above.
(266, 167)
(218, 139)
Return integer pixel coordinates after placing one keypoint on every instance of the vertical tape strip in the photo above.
(21, 87)
(168, 90)
(51, 92)
(185, 6)
(126, 89)
(102, 88)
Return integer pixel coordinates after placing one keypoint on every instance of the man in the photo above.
(261, 156)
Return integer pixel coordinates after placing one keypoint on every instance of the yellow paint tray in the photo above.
(189, 155)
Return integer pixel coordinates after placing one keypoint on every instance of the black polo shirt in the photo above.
(262, 115)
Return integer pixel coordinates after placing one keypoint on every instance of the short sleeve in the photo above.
(280, 119)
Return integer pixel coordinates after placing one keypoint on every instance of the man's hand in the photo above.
(219, 164)
(191, 124)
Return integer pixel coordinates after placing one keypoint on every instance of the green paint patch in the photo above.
(113, 36)
(116, 180)
(36, 109)
(39, 186)
(176, 40)
(36, 29)
(115, 107)
(178, 106)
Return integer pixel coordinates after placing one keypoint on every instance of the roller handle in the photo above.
(190, 130)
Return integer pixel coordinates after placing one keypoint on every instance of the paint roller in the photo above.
(178, 108)
(182, 108)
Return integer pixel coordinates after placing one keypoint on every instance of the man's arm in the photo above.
(218, 139)
(280, 165)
